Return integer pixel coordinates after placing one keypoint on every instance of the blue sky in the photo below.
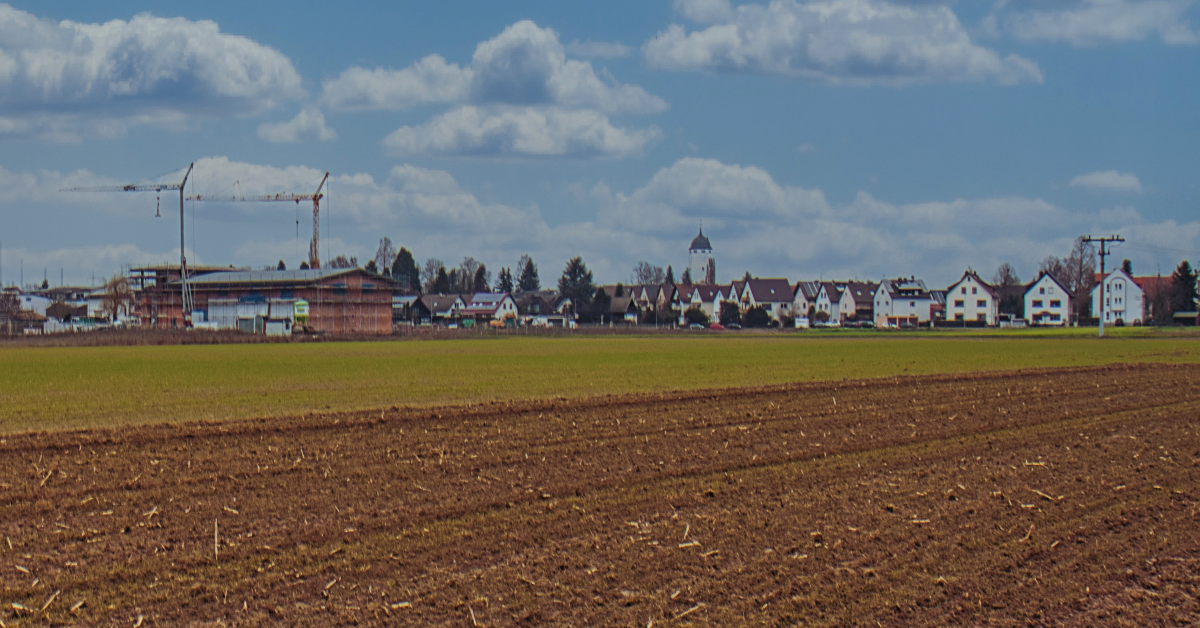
(841, 138)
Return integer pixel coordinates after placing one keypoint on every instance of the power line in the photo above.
(1103, 253)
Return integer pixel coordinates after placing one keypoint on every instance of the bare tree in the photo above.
(646, 274)
(1008, 284)
(342, 261)
(429, 273)
(118, 297)
(466, 274)
(385, 254)
(1076, 272)
(1081, 274)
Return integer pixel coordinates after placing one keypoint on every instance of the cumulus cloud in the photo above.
(522, 132)
(307, 126)
(63, 80)
(1099, 22)
(597, 49)
(854, 42)
(524, 65)
(1107, 181)
(430, 80)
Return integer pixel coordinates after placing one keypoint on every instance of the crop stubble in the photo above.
(1055, 497)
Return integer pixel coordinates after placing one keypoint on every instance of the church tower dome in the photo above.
(701, 267)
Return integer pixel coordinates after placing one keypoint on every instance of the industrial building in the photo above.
(335, 300)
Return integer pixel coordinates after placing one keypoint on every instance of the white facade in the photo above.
(1123, 299)
(896, 300)
(972, 299)
(1047, 303)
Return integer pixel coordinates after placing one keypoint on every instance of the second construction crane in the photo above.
(314, 247)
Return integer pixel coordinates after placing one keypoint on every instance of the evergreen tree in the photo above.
(371, 267)
(304, 265)
(686, 279)
(482, 277)
(1183, 288)
(576, 284)
(441, 283)
(504, 281)
(405, 271)
(670, 276)
(281, 266)
(601, 303)
(1127, 266)
(620, 290)
(529, 275)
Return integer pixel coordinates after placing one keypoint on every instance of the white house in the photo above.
(1047, 302)
(1123, 299)
(904, 302)
(805, 296)
(972, 299)
(491, 306)
(773, 295)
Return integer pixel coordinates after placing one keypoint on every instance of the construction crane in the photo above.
(314, 252)
(160, 187)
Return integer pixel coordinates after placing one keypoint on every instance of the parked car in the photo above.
(716, 326)
(734, 326)
(697, 326)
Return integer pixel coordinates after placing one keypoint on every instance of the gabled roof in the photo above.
(707, 292)
(1152, 285)
(910, 287)
(485, 302)
(441, 304)
(770, 290)
(1044, 276)
(974, 276)
(809, 289)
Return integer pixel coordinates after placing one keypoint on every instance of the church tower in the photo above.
(701, 266)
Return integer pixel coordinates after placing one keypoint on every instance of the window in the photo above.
(1041, 291)
(1056, 318)
(912, 304)
(974, 290)
(981, 303)
(964, 290)
(1037, 303)
(958, 303)
(1056, 304)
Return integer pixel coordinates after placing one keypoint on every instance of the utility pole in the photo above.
(1103, 288)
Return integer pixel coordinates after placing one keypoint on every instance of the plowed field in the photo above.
(1056, 497)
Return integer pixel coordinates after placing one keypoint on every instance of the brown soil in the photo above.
(1059, 497)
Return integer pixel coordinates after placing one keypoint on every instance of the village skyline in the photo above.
(976, 134)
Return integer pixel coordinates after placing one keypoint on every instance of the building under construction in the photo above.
(334, 300)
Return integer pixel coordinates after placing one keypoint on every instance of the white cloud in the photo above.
(520, 131)
(855, 42)
(1099, 22)
(430, 80)
(68, 79)
(524, 65)
(307, 126)
(597, 49)
(1107, 180)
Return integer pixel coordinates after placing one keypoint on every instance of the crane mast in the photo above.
(186, 289)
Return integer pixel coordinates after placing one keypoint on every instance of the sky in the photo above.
(832, 139)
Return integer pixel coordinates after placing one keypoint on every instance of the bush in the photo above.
(757, 317)
(695, 315)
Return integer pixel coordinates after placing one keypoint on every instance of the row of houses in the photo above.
(355, 300)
